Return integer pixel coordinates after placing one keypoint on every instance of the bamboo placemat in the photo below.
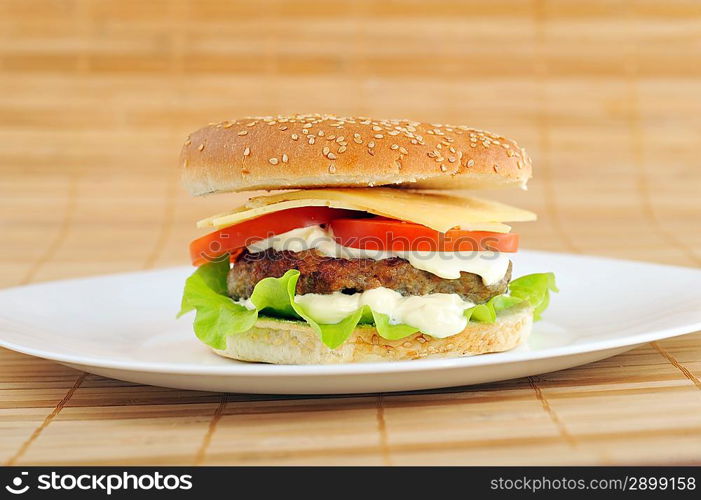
(96, 97)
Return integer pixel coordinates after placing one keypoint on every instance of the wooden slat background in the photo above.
(96, 97)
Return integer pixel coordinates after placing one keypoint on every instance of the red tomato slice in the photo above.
(230, 240)
(380, 233)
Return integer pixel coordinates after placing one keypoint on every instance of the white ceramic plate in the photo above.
(123, 326)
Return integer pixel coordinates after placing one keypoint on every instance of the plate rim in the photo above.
(271, 370)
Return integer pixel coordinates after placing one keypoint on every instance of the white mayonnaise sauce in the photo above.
(491, 266)
(439, 314)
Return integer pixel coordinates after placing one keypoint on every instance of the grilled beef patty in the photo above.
(320, 274)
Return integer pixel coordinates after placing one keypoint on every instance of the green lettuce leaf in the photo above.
(388, 330)
(535, 288)
(331, 335)
(218, 316)
(272, 295)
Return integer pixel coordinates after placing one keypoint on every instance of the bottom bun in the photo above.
(295, 343)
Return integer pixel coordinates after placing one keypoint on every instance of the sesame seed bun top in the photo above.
(304, 151)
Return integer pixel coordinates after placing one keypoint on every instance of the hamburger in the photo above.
(362, 253)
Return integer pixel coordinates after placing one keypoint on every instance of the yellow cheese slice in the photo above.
(435, 210)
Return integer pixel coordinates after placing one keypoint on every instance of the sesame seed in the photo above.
(510, 153)
(519, 164)
(357, 140)
(356, 135)
(311, 140)
(443, 168)
(340, 138)
(251, 124)
(371, 152)
(342, 149)
(325, 151)
(371, 144)
(295, 137)
(432, 154)
(451, 149)
(246, 151)
(200, 147)
(378, 136)
(305, 131)
(496, 169)
(331, 156)
(403, 150)
(320, 133)
(273, 161)
(471, 163)
(188, 142)
(451, 159)
(227, 125)
(394, 146)
(376, 128)
(243, 132)
(284, 158)
(332, 169)
(284, 127)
